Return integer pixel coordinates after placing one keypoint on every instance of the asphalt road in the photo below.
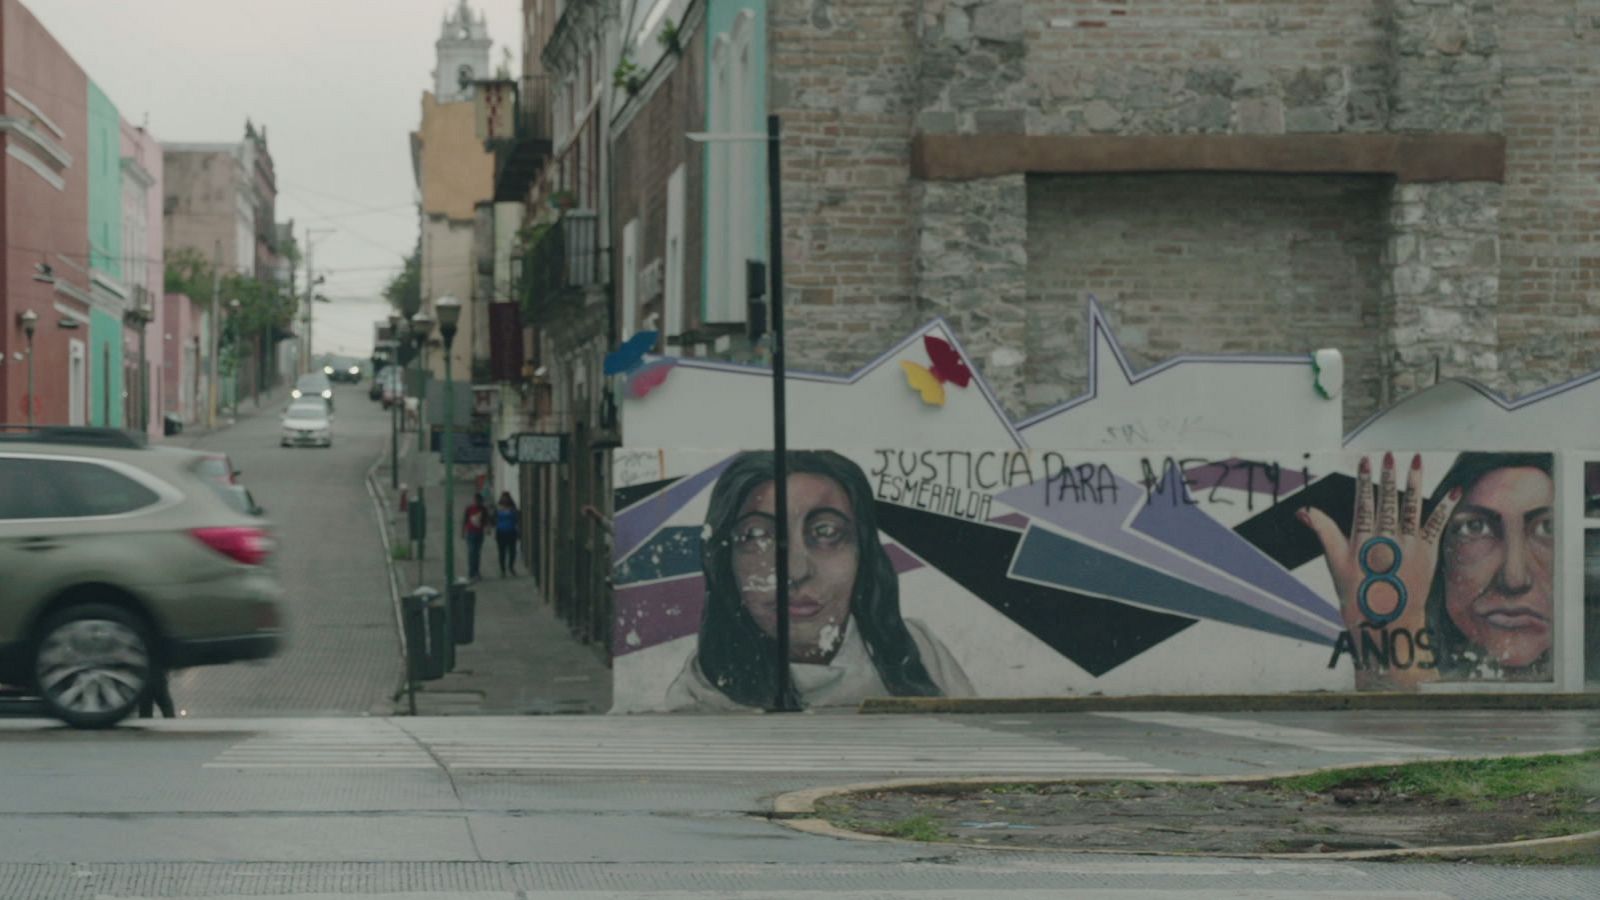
(343, 656)
(667, 806)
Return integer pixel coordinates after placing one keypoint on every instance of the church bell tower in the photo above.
(463, 54)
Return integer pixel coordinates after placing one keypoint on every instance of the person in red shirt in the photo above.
(473, 524)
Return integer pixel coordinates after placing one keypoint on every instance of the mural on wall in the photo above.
(1120, 543)
(1027, 572)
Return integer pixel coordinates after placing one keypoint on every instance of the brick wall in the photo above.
(1203, 264)
(648, 143)
(843, 77)
(1549, 313)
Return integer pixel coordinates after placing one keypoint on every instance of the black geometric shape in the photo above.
(625, 497)
(1095, 633)
(1276, 532)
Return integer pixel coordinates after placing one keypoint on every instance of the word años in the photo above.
(1386, 648)
(935, 497)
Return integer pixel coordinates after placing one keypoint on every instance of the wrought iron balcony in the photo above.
(563, 260)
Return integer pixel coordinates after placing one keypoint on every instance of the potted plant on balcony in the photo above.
(670, 38)
(628, 76)
(563, 200)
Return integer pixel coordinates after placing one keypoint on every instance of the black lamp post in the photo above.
(29, 320)
(397, 331)
(421, 330)
(449, 310)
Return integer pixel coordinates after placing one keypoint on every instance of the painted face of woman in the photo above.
(823, 559)
(1498, 552)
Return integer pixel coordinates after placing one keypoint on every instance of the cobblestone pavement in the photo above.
(343, 655)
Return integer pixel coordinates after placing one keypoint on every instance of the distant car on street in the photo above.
(307, 423)
(313, 384)
(122, 560)
(343, 371)
(394, 388)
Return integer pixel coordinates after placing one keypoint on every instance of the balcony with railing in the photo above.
(514, 123)
(562, 259)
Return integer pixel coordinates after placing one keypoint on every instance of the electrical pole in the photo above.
(311, 294)
(216, 333)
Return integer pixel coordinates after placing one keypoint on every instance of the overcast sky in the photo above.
(338, 86)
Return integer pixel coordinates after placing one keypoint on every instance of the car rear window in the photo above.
(38, 488)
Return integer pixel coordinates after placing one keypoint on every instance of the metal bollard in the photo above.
(422, 614)
(463, 610)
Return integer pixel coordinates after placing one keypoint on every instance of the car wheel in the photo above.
(91, 665)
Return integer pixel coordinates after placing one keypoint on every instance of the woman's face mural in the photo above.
(1498, 558)
(823, 559)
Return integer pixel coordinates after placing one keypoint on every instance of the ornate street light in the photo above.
(449, 310)
(29, 320)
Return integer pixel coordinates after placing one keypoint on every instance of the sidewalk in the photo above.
(523, 660)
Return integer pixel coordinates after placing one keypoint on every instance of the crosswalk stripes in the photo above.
(1311, 739)
(681, 744)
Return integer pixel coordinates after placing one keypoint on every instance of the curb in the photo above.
(797, 810)
(381, 508)
(1320, 702)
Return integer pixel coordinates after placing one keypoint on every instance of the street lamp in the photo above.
(421, 330)
(449, 310)
(29, 320)
(785, 700)
(397, 331)
(233, 319)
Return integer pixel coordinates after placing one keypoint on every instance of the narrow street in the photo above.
(343, 654)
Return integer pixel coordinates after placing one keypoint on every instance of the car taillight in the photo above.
(250, 546)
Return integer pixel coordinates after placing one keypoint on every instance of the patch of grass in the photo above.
(1021, 788)
(913, 828)
(400, 551)
(1568, 780)
(1564, 825)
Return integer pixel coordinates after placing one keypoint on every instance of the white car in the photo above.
(307, 424)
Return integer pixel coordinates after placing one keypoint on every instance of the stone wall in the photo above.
(1203, 264)
(1154, 67)
(843, 77)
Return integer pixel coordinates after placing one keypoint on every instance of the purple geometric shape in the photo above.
(651, 614)
(635, 524)
(1010, 520)
(902, 561)
(1197, 534)
(1104, 523)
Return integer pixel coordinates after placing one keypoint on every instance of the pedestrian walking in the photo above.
(474, 524)
(507, 528)
(159, 696)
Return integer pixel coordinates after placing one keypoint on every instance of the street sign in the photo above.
(531, 448)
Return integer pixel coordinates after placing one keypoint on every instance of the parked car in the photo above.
(394, 387)
(120, 560)
(313, 384)
(307, 423)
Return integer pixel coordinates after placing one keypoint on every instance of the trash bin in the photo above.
(463, 610)
(422, 615)
(171, 424)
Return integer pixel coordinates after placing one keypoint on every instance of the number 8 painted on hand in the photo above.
(1387, 577)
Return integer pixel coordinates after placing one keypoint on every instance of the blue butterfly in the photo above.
(631, 354)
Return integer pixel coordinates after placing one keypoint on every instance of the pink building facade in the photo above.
(44, 214)
(144, 272)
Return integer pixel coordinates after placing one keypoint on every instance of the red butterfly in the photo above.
(948, 366)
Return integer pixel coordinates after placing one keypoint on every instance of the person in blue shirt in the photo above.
(507, 528)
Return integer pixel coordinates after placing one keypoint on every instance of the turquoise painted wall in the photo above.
(105, 184)
(105, 333)
(720, 15)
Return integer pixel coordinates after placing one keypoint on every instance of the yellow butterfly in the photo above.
(924, 381)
